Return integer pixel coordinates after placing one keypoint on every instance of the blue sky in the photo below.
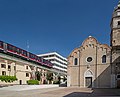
(54, 25)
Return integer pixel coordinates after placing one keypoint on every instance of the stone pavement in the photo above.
(27, 87)
(62, 92)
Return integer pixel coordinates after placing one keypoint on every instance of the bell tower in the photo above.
(115, 45)
(115, 27)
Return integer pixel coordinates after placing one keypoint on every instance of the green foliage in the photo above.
(64, 79)
(50, 76)
(59, 78)
(8, 78)
(56, 82)
(33, 82)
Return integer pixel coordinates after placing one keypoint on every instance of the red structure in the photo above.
(18, 52)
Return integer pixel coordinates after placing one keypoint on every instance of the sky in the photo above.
(55, 25)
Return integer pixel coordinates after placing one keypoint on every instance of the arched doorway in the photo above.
(88, 76)
(117, 74)
(118, 81)
(20, 81)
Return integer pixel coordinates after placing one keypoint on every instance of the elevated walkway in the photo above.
(19, 60)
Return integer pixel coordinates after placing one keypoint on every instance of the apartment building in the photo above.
(59, 62)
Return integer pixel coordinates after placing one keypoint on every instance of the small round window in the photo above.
(89, 59)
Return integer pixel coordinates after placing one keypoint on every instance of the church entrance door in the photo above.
(118, 81)
(88, 75)
(88, 82)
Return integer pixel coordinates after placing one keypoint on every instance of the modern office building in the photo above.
(59, 62)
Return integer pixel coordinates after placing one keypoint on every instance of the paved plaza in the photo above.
(27, 87)
(54, 91)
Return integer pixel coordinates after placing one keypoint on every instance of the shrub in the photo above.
(8, 78)
(33, 82)
(56, 82)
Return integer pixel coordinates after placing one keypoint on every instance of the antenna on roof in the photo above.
(28, 45)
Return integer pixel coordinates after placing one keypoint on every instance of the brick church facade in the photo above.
(94, 64)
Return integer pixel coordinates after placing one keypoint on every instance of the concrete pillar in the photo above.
(68, 80)
(113, 81)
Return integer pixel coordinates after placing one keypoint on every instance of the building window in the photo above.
(118, 76)
(104, 59)
(3, 73)
(9, 67)
(26, 67)
(3, 66)
(90, 45)
(118, 23)
(114, 41)
(27, 74)
(14, 67)
(89, 59)
(75, 61)
(51, 55)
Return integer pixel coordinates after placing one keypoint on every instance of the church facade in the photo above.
(89, 65)
(94, 64)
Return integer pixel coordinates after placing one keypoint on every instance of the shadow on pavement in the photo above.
(96, 93)
(77, 94)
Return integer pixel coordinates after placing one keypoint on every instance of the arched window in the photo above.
(104, 59)
(118, 23)
(75, 61)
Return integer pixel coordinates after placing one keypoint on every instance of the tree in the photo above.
(59, 78)
(49, 76)
(64, 79)
(38, 75)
